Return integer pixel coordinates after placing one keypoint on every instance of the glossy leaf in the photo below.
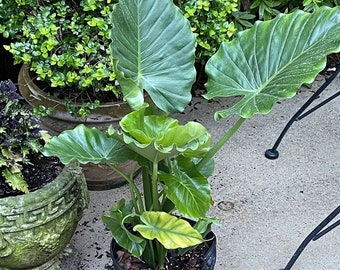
(153, 48)
(187, 188)
(134, 244)
(156, 137)
(146, 128)
(170, 231)
(270, 61)
(87, 145)
(208, 168)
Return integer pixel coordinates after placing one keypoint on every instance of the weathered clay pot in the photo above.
(36, 227)
(98, 177)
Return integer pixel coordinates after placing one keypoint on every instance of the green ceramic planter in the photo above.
(35, 228)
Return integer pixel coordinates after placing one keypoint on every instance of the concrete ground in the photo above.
(267, 207)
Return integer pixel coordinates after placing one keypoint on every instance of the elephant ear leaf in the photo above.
(115, 222)
(153, 50)
(271, 60)
(87, 145)
(172, 232)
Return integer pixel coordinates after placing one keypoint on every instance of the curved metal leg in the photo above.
(273, 153)
(314, 235)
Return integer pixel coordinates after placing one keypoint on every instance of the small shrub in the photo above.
(212, 22)
(19, 136)
(215, 21)
(65, 45)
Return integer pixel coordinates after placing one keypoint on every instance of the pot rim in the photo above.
(50, 201)
(106, 112)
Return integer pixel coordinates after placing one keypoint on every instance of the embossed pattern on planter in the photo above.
(27, 219)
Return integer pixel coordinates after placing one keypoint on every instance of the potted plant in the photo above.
(63, 44)
(153, 51)
(41, 201)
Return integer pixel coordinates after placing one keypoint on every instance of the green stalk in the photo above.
(225, 138)
(161, 252)
(156, 204)
(147, 188)
(138, 204)
(149, 254)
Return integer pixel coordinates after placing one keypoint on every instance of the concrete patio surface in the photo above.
(267, 207)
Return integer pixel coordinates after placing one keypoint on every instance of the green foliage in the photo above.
(119, 214)
(212, 22)
(312, 5)
(264, 83)
(160, 226)
(64, 43)
(176, 159)
(19, 136)
(216, 21)
(268, 9)
(154, 144)
(154, 71)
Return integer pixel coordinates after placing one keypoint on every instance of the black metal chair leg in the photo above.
(273, 153)
(314, 235)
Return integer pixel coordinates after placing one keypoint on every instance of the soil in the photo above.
(41, 171)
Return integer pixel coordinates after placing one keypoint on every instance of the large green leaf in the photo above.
(170, 231)
(272, 60)
(87, 145)
(153, 48)
(115, 222)
(156, 137)
(187, 188)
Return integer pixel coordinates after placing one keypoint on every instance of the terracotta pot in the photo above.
(36, 227)
(208, 263)
(98, 177)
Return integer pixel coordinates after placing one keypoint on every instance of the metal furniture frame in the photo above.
(273, 153)
(319, 231)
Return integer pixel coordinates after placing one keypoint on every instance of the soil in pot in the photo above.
(41, 171)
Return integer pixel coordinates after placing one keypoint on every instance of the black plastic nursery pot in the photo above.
(208, 262)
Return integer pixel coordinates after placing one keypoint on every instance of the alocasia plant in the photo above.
(154, 52)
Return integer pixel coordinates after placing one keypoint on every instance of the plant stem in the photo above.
(137, 199)
(224, 139)
(161, 254)
(149, 254)
(147, 188)
(156, 204)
